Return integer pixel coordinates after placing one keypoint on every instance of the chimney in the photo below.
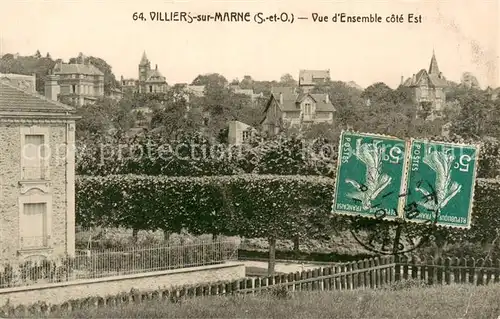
(156, 67)
(281, 98)
(327, 98)
(414, 78)
(402, 80)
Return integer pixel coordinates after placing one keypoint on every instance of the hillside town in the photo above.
(113, 186)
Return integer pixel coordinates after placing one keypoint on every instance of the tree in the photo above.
(103, 117)
(247, 82)
(468, 80)
(378, 92)
(173, 116)
(38, 55)
(478, 116)
(287, 80)
(214, 79)
(28, 65)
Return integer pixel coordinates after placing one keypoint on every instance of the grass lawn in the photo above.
(442, 302)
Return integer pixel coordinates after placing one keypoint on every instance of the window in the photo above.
(424, 91)
(73, 88)
(33, 157)
(150, 88)
(33, 230)
(307, 111)
(35, 153)
(245, 135)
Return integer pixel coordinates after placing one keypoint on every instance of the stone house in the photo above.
(287, 107)
(78, 83)
(428, 87)
(239, 132)
(37, 185)
(149, 81)
(308, 79)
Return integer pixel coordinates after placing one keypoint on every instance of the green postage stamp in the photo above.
(385, 177)
(440, 182)
(369, 175)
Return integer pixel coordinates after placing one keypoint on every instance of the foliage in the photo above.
(242, 205)
(478, 116)
(28, 65)
(210, 79)
(104, 116)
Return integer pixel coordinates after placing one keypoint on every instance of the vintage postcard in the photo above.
(289, 159)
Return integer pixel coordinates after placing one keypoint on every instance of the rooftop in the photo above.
(15, 100)
(73, 68)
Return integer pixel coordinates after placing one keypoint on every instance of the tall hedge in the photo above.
(246, 205)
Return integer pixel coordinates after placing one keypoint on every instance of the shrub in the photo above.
(245, 205)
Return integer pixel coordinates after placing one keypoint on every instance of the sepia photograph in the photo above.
(250, 159)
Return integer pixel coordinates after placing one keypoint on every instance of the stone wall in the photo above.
(59, 293)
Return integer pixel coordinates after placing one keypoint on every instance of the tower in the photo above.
(433, 68)
(144, 67)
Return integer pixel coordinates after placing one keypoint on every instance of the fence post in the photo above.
(397, 268)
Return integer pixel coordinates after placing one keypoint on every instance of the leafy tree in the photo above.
(173, 116)
(28, 65)
(247, 82)
(212, 79)
(478, 116)
(104, 116)
(287, 80)
(378, 92)
(468, 80)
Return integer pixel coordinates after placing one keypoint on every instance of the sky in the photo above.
(463, 34)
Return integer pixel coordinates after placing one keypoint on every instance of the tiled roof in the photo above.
(434, 79)
(155, 76)
(291, 100)
(73, 68)
(14, 99)
(306, 77)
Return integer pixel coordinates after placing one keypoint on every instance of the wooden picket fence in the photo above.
(368, 273)
(441, 271)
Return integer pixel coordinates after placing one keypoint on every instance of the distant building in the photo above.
(308, 79)
(24, 82)
(248, 92)
(116, 94)
(78, 83)
(428, 87)
(149, 80)
(38, 176)
(239, 132)
(287, 107)
(493, 93)
(196, 90)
